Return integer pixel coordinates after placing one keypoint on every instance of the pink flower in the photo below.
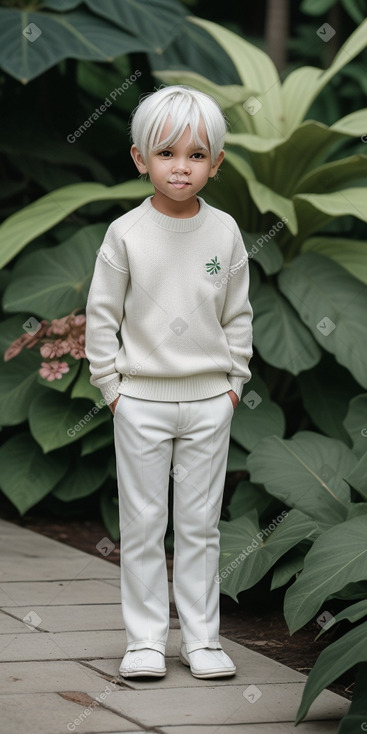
(51, 371)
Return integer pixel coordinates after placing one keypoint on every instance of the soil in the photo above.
(257, 621)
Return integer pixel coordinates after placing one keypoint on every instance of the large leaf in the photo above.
(247, 497)
(248, 551)
(82, 387)
(156, 22)
(256, 416)
(98, 439)
(326, 391)
(353, 613)
(306, 472)
(314, 211)
(265, 198)
(337, 557)
(291, 564)
(26, 475)
(256, 71)
(19, 386)
(355, 719)
(351, 254)
(52, 282)
(332, 662)
(82, 479)
(32, 42)
(358, 477)
(55, 420)
(333, 305)
(334, 175)
(41, 215)
(237, 457)
(303, 85)
(356, 423)
(279, 336)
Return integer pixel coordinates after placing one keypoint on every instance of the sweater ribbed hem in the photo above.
(176, 389)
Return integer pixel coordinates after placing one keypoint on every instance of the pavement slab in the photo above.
(62, 640)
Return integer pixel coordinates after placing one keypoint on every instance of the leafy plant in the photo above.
(308, 290)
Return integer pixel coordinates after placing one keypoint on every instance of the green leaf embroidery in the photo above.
(213, 266)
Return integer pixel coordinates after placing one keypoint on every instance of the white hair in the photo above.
(186, 106)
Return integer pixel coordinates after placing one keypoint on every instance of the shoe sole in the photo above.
(208, 674)
(143, 674)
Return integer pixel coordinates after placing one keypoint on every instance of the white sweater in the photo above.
(168, 315)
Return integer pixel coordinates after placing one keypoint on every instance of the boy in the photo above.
(169, 340)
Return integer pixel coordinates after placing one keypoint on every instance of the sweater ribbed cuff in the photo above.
(110, 389)
(236, 384)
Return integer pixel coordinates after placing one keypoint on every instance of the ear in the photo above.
(138, 159)
(216, 165)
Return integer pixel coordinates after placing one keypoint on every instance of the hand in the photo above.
(234, 397)
(112, 406)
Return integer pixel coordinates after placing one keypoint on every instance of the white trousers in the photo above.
(194, 435)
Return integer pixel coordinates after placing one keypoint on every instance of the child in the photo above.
(169, 340)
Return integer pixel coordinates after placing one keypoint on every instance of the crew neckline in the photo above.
(176, 224)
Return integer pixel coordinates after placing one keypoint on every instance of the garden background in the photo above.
(291, 78)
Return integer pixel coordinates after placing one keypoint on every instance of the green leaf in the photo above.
(19, 386)
(314, 211)
(54, 281)
(26, 475)
(333, 305)
(38, 217)
(337, 557)
(264, 250)
(306, 472)
(334, 175)
(332, 663)
(291, 564)
(98, 439)
(237, 457)
(358, 477)
(227, 95)
(316, 7)
(55, 420)
(355, 719)
(247, 497)
(356, 423)
(156, 23)
(353, 613)
(248, 552)
(264, 197)
(256, 71)
(83, 389)
(303, 85)
(83, 478)
(351, 254)
(279, 336)
(26, 53)
(326, 391)
(256, 415)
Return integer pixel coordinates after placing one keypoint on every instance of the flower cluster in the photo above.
(55, 339)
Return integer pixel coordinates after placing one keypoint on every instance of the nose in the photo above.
(181, 166)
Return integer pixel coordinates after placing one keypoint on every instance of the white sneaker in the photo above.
(145, 662)
(207, 663)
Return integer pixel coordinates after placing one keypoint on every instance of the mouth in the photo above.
(179, 184)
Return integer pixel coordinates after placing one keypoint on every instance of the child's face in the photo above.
(180, 171)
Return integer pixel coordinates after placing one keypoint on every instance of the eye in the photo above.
(165, 153)
(197, 156)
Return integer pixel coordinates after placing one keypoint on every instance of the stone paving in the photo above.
(61, 642)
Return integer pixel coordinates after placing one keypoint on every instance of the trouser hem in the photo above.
(150, 644)
(202, 645)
